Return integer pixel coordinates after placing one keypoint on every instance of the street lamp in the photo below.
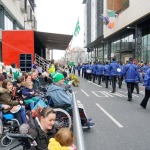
(136, 53)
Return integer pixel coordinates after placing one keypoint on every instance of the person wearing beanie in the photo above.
(57, 77)
(130, 72)
(61, 98)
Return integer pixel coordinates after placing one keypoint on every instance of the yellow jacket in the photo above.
(51, 69)
(54, 145)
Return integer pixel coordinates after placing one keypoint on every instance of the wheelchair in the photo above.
(63, 118)
(8, 124)
(26, 141)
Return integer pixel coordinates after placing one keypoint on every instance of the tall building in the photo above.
(93, 28)
(126, 35)
(17, 15)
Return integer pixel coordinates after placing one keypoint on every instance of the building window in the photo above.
(8, 23)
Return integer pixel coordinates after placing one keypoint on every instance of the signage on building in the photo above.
(139, 40)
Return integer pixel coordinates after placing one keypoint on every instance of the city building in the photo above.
(126, 30)
(17, 15)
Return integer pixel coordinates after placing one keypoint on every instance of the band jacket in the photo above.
(146, 82)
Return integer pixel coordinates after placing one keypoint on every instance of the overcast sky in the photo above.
(60, 16)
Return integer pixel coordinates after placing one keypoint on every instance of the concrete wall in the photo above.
(136, 10)
(13, 8)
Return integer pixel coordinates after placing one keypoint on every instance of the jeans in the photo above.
(23, 115)
(32, 105)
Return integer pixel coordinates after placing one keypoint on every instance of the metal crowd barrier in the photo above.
(77, 128)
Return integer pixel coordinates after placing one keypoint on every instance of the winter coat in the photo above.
(39, 135)
(107, 70)
(42, 80)
(26, 93)
(146, 81)
(120, 74)
(99, 69)
(59, 95)
(144, 69)
(113, 68)
(36, 84)
(83, 68)
(130, 71)
(137, 78)
(5, 98)
(54, 145)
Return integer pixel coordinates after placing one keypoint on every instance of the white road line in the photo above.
(94, 83)
(109, 94)
(113, 119)
(94, 92)
(119, 94)
(84, 92)
(132, 94)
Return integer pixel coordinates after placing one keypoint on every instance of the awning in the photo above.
(53, 41)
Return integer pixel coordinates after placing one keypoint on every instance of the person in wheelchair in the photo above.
(6, 98)
(62, 99)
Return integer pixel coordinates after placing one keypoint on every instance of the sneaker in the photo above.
(89, 119)
(91, 124)
(88, 125)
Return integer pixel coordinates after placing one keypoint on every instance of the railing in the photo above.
(77, 126)
(41, 61)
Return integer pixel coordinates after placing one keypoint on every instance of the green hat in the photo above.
(57, 77)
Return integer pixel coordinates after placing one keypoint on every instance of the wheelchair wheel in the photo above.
(5, 141)
(63, 119)
(1, 128)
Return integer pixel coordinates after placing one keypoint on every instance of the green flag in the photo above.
(77, 28)
(111, 13)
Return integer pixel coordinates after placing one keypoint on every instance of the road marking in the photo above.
(94, 92)
(112, 118)
(132, 94)
(94, 83)
(109, 94)
(142, 92)
(84, 92)
(119, 94)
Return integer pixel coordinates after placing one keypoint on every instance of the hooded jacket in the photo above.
(5, 98)
(59, 95)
